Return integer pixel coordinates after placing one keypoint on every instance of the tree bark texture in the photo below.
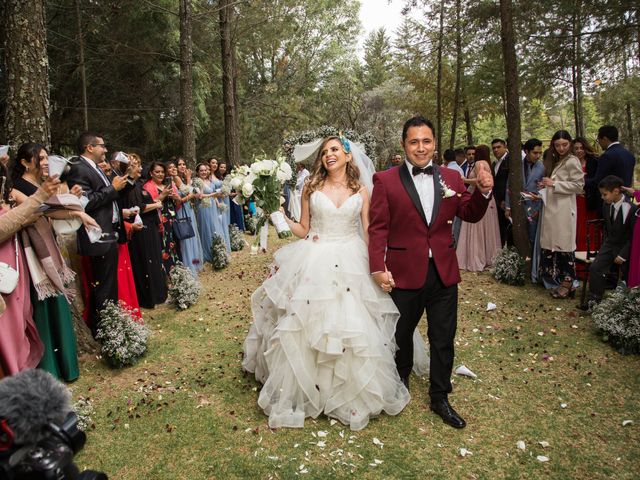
(83, 69)
(231, 124)
(439, 84)
(576, 70)
(467, 121)
(456, 93)
(520, 236)
(186, 84)
(27, 72)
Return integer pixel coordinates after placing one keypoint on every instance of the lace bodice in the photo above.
(329, 222)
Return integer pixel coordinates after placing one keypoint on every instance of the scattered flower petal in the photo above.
(464, 452)
(463, 370)
(491, 306)
(378, 442)
(542, 458)
(521, 446)
(626, 422)
(543, 444)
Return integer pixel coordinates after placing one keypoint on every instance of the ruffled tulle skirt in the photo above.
(322, 339)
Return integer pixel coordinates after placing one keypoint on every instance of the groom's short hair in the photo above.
(417, 121)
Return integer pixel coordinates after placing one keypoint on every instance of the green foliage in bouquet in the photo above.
(184, 287)
(509, 267)
(618, 316)
(250, 224)
(123, 339)
(219, 254)
(236, 238)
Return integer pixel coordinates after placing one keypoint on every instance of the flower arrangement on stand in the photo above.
(123, 339)
(509, 267)
(236, 238)
(219, 254)
(184, 287)
(264, 180)
(619, 319)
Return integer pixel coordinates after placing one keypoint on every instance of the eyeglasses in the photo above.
(99, 145)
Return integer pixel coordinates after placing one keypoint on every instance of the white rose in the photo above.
(235, 182)
(250, 178)
(256, 167)
(247, 189)
(285, 169)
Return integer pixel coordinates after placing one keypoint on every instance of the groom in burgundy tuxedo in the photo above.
(412, 253)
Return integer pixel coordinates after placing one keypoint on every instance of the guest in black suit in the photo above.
(102, 196)
(615, 160)
(619, 220)
(500, 171)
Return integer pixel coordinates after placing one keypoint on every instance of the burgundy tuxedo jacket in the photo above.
(399, 235)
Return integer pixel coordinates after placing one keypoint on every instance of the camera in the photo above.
(51, 458)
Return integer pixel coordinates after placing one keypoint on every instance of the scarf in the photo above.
(49, 273)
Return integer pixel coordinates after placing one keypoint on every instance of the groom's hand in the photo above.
(384, 280)
(484, 177)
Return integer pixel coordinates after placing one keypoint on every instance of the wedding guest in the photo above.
(615, 160)
(500, 170)
(619, 219)
(49, 274)
(190, 248)
(161, 188)
(588, 203)
(450, 161)
(461, 160)
(20, 343)
(563, 180)
(206, 211)
(633, 279)
(479, 243)
(237, 215)
(220, 199)
(145, 246)
(102, 205)
(224, 203)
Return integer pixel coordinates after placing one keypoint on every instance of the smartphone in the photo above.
(167, 180)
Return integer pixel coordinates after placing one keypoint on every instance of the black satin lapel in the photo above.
(409, 186)
(437, 193)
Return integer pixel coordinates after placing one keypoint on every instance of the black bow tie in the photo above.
(426, 170)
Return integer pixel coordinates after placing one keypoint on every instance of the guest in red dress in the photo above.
(634, 256)
(588, 204)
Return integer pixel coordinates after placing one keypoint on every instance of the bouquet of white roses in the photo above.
(198, 185)
(264, 180)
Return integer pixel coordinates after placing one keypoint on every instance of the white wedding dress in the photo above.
(322, 339)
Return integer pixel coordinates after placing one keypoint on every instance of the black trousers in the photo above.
(104, 287)
(603, 265)
(441, 306)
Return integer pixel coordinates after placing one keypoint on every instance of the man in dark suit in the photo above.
(412, 254)
(102, 195)
(500, 171)
(615, 160)
(619, 219)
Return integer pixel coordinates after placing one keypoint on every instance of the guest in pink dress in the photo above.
(479, 243)
(634, 256)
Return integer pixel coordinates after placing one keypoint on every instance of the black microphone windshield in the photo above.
(29, 400)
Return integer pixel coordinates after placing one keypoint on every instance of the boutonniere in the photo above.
(447, 191)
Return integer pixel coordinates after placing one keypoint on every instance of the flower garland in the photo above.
(123, 339)
(184, 287)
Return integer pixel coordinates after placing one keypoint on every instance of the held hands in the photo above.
(483, 177)
(384, 280)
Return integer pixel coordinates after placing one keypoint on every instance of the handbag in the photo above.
(8, 275)
(182, 228)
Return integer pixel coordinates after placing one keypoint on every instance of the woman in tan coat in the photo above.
(563, 179)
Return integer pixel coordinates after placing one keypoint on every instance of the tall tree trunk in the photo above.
(83, 70)
(26, 72)
(576, 70)
(456, 95)
(186, 84)
(467, 121)
(439, 84)
(627, 106)
(231, 126)
(520, 236)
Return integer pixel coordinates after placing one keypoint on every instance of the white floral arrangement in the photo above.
(184, 287)
(198, 184)
(236, 238)
(447, 191)
(509, 267)
(250, 224)
(222, 207)
(219, 254)
(123, 338)
(618, 316)
(264, 180)
(83, 407)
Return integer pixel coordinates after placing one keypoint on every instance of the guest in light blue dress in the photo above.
(206, 211)
(190, 248)
(221, 220)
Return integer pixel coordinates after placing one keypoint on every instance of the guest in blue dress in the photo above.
(206, 211)
(190, 248)
(221, 220)
(236, 215)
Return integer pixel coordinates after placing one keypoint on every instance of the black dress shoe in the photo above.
(405, 380)
(447, 413)
(583, 306)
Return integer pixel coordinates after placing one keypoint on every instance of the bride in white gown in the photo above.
(322, 339)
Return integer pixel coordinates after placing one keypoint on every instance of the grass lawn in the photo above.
(187, 411)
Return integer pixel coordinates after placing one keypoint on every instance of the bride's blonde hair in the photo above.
(315, 181)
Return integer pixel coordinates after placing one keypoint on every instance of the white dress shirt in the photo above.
(425, 187)
(115, 217)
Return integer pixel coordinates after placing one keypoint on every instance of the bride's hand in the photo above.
(384, 280)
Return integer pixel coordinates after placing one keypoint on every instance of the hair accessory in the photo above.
(345, 143)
